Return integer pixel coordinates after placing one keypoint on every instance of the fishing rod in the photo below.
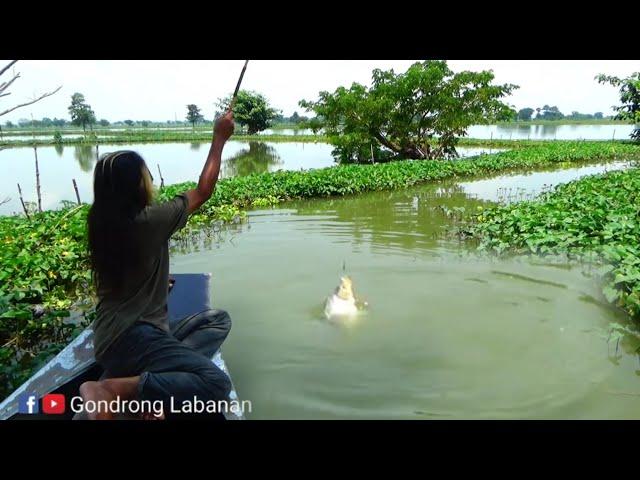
(235, 93)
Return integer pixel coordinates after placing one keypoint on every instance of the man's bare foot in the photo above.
(94, 392)
(152, 416)
(111, 389)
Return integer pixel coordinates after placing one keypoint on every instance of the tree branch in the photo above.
(5, 85)
(7, 67)
(45, 95)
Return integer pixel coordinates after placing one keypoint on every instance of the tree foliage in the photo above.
(193, 114)
(549, 113)
(418, 114)
(251, 110)
(81, 112)
(525, 113)
(629, 97)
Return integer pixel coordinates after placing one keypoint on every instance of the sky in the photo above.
(159, 90)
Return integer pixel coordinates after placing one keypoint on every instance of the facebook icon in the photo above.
(28, 403)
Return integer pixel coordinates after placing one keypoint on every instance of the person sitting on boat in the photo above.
(129, 251)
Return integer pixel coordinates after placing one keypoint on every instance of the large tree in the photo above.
(418, 114)
(525, 114)
(193, 114)
(629, 97)
(251, 110)
(81, 112)
(7, 83)
(549, 113)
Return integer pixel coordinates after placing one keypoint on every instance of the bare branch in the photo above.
(5, 94)
(5, 85)
(7, 67)
(45, 95)
(6, 200)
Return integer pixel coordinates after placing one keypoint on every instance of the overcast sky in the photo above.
(160, 90)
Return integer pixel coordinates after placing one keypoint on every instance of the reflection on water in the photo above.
(258, 158)
(179, 162)
(551, 132)
(86, 156)
(386, 221)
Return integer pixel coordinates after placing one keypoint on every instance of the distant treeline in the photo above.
(47, 122)
(553, 113)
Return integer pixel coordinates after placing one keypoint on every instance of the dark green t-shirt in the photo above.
(144, 294)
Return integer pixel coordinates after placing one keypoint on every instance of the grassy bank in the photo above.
(44, 267)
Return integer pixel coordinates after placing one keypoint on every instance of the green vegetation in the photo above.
(251, 110)
(525, 114)
(81, 112)
(629, 97)
(43, 272)
(547, 114)
(419, 114)
(595, 219)
(44, 267)
(193, 115)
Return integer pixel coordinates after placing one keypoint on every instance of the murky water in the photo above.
(178, 162)
(445, 336)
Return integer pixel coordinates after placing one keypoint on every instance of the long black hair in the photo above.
(122, 187)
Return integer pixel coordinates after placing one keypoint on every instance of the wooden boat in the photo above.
(75, 364)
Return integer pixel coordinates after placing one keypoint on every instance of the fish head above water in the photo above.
(342, 305)
(345, 289)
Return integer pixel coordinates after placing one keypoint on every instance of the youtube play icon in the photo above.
(53, 403)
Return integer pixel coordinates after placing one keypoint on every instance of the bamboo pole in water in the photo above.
(24, 207)
(161, 179)
(35, 151)
(75, 187)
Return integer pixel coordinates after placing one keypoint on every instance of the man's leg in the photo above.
(167, 368)
(205, 331)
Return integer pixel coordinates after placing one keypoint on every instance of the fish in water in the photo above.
(342, 304)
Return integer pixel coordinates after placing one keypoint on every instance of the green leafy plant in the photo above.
(418, 114)
(629, 97)
(596, 218)
(252, 110)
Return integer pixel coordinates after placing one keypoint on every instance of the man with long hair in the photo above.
(129, 250)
